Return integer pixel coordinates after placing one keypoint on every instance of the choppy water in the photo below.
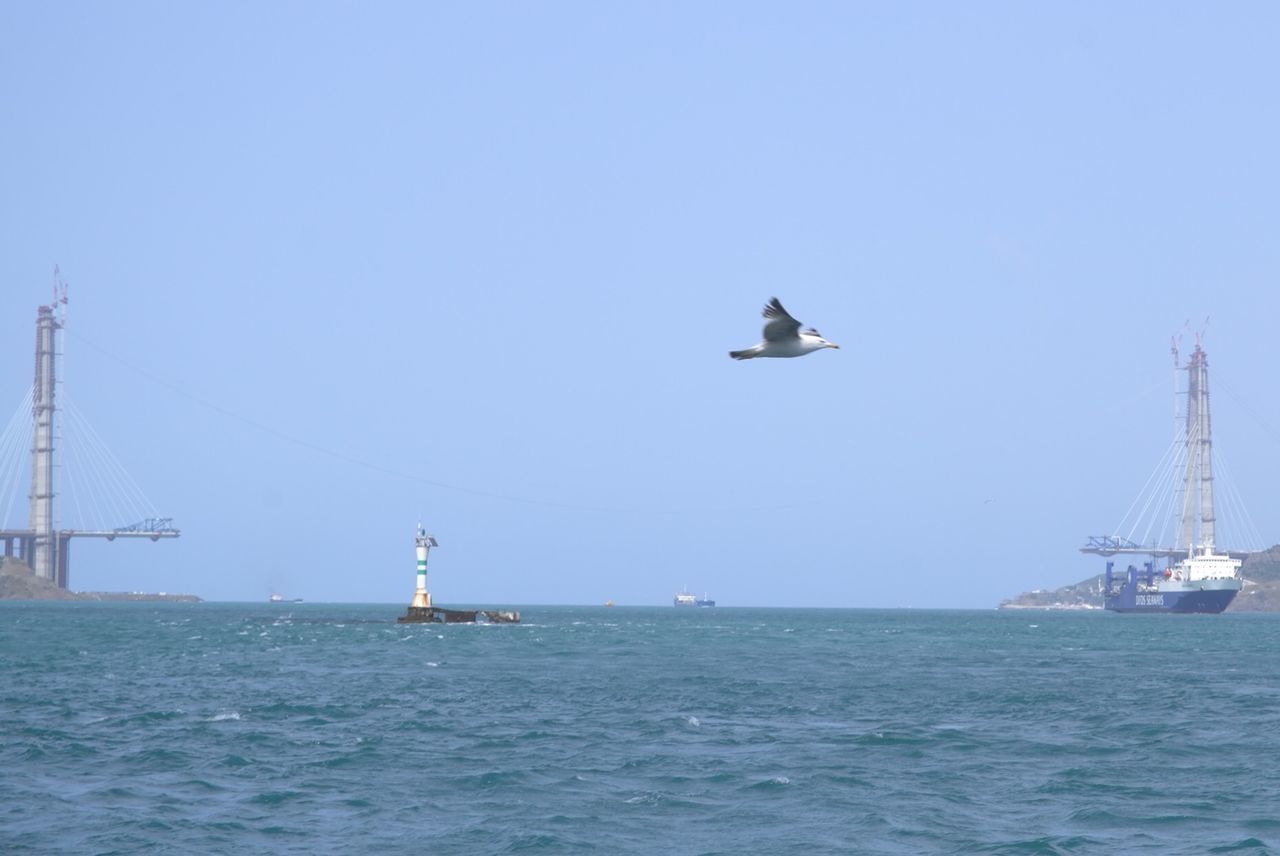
(329, 729)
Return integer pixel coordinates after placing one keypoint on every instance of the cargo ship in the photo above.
(684, 598)
(1196, 577)
(1204, 583)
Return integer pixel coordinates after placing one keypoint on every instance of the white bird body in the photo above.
(783, 337)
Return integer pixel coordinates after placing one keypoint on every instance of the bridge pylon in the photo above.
(42, 545)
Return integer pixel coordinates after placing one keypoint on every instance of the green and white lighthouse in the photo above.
(421, 597)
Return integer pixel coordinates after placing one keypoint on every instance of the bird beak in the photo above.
(833, 345)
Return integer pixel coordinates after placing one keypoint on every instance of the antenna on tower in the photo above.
(1175, 347)
(1176, 342)
(59, 304)
(1200, 333)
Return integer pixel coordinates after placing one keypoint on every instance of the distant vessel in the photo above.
(279, 598)
(684, 598)
(1201, 579)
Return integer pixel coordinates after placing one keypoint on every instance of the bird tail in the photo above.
(745, 354)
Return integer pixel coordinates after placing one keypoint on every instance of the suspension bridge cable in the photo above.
(1244, 405)
(99, 480)
(1174, 489)
(69, 473)
(1161, 504)
(136, 502)
(17, 435)
(81, 464)
(1143, 492)
(97, 484)
(401, 474)
(1238, 510)
(113, 478)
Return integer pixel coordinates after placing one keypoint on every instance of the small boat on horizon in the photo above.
(684, 598)
(276, 597)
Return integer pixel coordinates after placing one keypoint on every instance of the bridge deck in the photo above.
(109, 534)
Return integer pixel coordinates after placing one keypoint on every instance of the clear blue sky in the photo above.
(498, 252)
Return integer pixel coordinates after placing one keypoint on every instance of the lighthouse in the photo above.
(422, 612)
(421, 597)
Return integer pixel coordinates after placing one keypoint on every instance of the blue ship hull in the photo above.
(1210, 601)
(1146, 591)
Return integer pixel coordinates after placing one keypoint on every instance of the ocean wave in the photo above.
(900, 733)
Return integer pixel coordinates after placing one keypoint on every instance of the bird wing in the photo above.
(780, 325)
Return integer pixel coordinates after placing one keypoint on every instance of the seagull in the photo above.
(783, 337)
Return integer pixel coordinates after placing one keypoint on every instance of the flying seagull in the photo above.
(783, 337)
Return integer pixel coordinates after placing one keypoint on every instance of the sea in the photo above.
(329, 728)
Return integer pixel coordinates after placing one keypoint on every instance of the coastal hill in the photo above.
(1261, 591)
(19, 582)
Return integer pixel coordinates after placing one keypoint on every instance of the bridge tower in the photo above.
(44, 547)
(44, 543)
(1198, 475)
